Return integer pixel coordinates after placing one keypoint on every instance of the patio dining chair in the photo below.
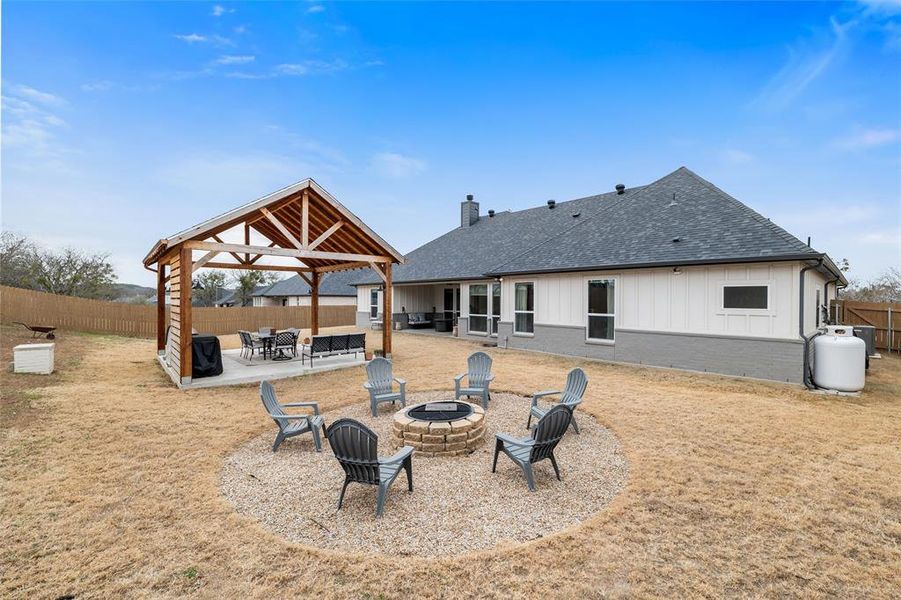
(571, 396)
(479, 377)
(249, 345)
(285, 340)
(291, 425)
(381, 384)
(540, 445)
(356, 448)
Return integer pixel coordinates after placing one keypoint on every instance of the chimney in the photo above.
(620, 189)
(551, 204)
(469, 212)
(490, 213)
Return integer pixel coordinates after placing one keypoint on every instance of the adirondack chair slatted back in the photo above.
(479, 368)
(356, 340)
(320, 343)
(576, 383)
(267, 394)
(339, 343)
(356, 448)
(549, 431)
(380, 374)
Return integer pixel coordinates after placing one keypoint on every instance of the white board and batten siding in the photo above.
(690, 301)
(303, 300)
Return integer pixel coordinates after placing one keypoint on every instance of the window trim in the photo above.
(492, 329)
(525, 312)
(470, 315)
(374, 294)
(588, 314)
(746, 311)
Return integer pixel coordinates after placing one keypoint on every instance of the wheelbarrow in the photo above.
(38, 330)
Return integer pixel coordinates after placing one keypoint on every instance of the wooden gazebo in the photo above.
(302, 223)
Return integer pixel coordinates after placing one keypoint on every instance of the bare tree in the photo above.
(247, 281)
(73, 273)
(17, 258)
(883, 288)
(208, 285)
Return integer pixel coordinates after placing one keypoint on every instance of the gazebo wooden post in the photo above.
(314, 303)
(161, 308)
(184, 304)
(387, 312)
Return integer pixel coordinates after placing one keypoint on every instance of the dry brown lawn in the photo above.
(736, 488)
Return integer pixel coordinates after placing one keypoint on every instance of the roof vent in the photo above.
(490, 212)
(551, 203)
(620, 189)
(576, 215)
(675, 239)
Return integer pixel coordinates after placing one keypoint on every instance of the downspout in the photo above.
(808, 380)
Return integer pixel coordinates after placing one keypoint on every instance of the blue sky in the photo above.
(123, 123)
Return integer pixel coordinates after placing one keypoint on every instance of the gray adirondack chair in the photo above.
(540, 445)
(571, 396)
(291, 425)
(356, 448)
(381, 384)
(479, 378)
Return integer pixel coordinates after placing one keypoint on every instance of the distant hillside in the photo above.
(129, 292)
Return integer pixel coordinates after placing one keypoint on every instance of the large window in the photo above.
(495, 306)
(746, 297)
(524, 309)
(601, 309)
(374, 304)
(478, 308)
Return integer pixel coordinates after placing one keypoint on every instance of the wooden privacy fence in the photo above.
(135, 320)
(884, 316)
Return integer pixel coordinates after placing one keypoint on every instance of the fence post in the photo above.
(891, 330)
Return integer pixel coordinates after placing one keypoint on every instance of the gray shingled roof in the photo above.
(330, 284)
(634, 229)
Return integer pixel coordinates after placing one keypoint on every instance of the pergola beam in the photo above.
(326, 234)
(289, 269)
(283, 230)
(312, 254)
(342, 267)
(205, 259)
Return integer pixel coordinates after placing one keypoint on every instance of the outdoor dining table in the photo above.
(268, 339)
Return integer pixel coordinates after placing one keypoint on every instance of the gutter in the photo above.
(806, 377)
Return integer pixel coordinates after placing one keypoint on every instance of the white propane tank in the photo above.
(840, 360)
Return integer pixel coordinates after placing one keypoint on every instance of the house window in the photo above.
(495, 306)
(374, 304)
(746, 297)
(524, 309)
(601, 309)
(478, 308)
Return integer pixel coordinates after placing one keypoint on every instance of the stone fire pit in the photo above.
(440, 428)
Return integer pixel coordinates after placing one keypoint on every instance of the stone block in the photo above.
(441, 428)
(412, 437)
(425, 454)
(452, 438)
(402, 420)
(461, 425)
(476, 418)
(431, 438)
(476, 433)
(418, 427)
(433, 448)
(455, 446)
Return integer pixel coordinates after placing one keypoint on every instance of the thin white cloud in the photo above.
(316, 8)
(396, 166)
(231, 59)
(39, 96)
(219, 10)
(807, 61)
(196, 38)
(735, 156)
(97, 86)
(868, 138)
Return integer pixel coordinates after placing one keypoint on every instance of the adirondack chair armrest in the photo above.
(290, 417)
(538, 395)
(400, 381)
(313, 405)
(512, 441)
(490, 377)
(459, 377)
(367, 385)
(400, 456)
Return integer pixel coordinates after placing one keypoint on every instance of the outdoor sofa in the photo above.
(419, 319)
(321, 346)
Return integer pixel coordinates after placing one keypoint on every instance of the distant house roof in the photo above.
(330, 284)
(230, 297)
(638, 228)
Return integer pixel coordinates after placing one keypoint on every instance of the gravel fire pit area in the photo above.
(457, 504)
